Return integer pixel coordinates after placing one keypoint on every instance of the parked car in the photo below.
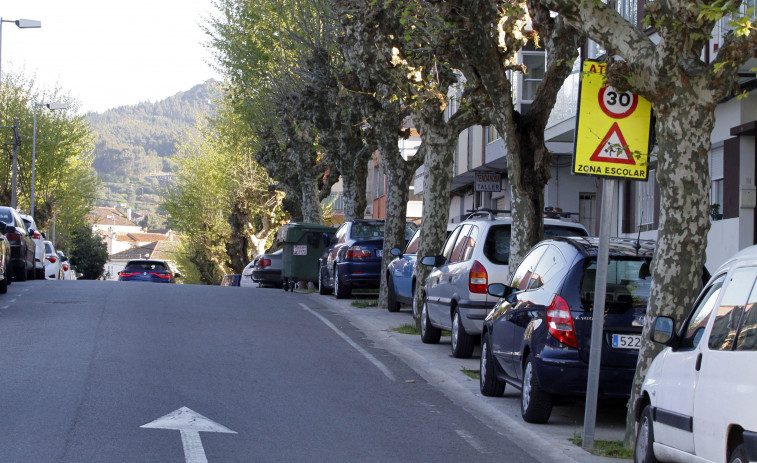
(6, 273)
(400, 274)
(353, 260)
(69, 273)
(150, 270)
(22, 245)
(231, 280)
(39, 242)
(475, 254)
(538, 336)
(53, 270)
(697, 402)
(266, 269)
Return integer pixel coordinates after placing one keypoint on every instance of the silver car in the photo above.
(476, 254)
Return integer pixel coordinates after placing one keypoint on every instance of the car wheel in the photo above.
(429, 334)
(739, 455)
(415, 304)
(462, 342)
(341, 290)
(535, 404)
(391, 300)
(489, 384)
(642, 451)
(322, 288)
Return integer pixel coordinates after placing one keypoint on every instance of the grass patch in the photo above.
(407, 329)
(364, 304)
(474, 374)
(605, 448)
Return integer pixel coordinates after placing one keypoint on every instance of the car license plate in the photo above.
(378, 252)
(626, 341)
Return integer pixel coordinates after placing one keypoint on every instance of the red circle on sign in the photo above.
(610, 110)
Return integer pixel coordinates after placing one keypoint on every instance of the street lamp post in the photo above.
(22, 24)
(52, 107)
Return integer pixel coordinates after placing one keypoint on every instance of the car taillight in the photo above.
(36, 235)
(51, 259)
(13, 236)
(65, 267)
(127, 274)
(356, 252)
(264, 262)
(560, 323)
(161, 275)
(477, 278)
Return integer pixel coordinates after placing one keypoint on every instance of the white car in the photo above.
(53, 269)
(247, 275)
(39, 246)
(698, 401)
(68, 272)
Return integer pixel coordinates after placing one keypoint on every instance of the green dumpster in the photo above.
(304, 244)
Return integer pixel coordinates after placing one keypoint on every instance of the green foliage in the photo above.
(65, 183)
(87, 252)
(606, 448)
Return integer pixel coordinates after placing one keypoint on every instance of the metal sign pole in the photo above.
(609, 187)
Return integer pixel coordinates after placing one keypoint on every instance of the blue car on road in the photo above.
(400, 274)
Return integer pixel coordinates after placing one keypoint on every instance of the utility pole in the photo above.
(14, 175)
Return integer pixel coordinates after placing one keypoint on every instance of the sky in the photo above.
(109, 53)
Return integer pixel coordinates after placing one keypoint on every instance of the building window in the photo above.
(491, 134)
(628, 9)
(587, 210)
(716, 177)
(535, 61)
(645, 211)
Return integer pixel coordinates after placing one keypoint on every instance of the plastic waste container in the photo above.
(304, 244)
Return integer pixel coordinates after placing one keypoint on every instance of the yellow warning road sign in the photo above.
(612, 133)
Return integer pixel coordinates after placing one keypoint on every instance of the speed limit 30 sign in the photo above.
(612, 133)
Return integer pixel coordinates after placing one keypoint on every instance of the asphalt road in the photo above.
(86, 364)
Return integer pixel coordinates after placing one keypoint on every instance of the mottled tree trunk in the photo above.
(353, 193)
(683, 134)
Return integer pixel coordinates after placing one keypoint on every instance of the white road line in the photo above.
(362, 351)
(467, 437)
(4, 307)
(13, 300)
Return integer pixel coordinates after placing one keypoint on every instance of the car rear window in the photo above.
(368, 230)
(628, 283)
(49, 248)
(145, 265)
(497, 245)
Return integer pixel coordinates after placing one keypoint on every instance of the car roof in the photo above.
(486, 215)
(618, 247)
(746, 254)
(149, 261)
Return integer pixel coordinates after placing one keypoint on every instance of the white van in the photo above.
(699, 399)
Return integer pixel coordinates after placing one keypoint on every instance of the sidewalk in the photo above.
(434, 363)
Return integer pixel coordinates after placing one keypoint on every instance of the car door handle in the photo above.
(699, 362)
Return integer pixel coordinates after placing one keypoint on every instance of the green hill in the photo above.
(134, 145)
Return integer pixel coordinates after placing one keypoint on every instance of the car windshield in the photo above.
(364, 230)
(145, 265)
(6, 216)
(628, 283)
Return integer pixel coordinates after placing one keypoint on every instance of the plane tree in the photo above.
(670, 70)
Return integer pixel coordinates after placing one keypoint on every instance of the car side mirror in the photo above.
(44, 235)
(433, 261)
(5, 228)
(499, 290)
(662, 331)
(177, 275)
(395, 252)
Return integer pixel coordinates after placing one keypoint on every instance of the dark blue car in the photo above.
(353, 258)
(537, 336)
(149, 270)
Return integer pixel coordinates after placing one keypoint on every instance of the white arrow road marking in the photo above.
(189, 423)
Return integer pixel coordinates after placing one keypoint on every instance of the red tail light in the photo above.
(13, 236)
(264, 262)
(560, 323)
(51, 259)
(65, 267)
(356, 252)
(477, 278)
(36, 235)
(127, 274)
(161, 275)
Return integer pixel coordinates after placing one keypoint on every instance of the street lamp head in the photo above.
(54, 106)
(28, 23)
